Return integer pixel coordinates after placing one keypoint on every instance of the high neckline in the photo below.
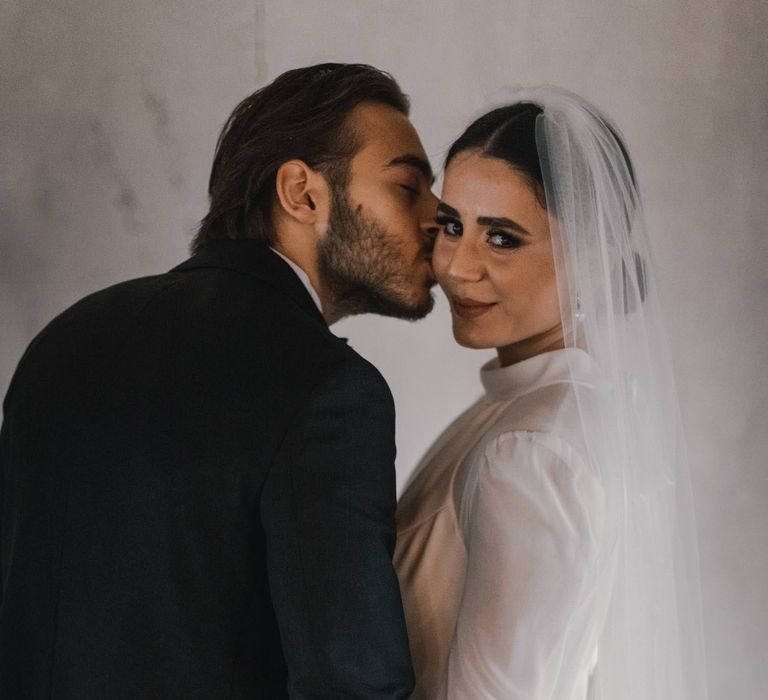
(564, 365)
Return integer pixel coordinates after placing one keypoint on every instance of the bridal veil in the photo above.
(647, 618)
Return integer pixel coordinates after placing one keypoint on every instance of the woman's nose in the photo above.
(465, 263)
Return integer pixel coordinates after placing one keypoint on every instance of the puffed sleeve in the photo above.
(532, 532)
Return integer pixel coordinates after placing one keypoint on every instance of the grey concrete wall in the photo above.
(109, 114)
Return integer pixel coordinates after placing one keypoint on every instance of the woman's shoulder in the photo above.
(519, 470)
(520, 452)
(554, 417)
(542, 431)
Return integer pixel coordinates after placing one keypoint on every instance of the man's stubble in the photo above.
(362, 267)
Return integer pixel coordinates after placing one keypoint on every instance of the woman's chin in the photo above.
(470, 340)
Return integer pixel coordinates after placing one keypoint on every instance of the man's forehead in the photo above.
(384, 127)
(414, 161)
(389, 138)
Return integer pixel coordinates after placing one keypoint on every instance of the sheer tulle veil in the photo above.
(648, 620)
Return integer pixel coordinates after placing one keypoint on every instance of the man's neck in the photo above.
(306, 262)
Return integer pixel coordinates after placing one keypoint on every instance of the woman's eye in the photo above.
(450, 227)
(502, 239)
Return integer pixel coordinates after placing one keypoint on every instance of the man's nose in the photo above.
(430, 203)
(428, 224)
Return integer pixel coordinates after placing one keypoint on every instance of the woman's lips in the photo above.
(469, 308)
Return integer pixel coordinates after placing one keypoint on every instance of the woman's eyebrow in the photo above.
(502, 222)
(447, 209)
(498, 221)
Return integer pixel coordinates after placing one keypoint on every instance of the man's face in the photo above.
(376, 255)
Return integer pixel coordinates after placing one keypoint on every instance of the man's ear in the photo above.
(302, 193)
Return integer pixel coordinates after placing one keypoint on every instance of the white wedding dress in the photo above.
(547, 546)
(504, 604)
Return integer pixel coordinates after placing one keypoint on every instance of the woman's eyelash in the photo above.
(507, 240)
(503, 239)
(411, 190)
(444, 221)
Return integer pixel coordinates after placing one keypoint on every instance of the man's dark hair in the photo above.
(303, 114)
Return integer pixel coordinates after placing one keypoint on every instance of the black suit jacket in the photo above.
(198, 497)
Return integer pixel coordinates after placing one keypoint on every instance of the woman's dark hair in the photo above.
(509, 133)
(302, 114)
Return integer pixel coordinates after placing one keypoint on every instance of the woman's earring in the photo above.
(579, 315)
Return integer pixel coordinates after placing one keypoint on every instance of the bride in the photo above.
(545, 544)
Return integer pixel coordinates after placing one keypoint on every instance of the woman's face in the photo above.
(493, 258)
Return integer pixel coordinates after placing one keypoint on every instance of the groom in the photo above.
(197, 476)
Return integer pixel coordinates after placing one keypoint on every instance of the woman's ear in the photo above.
(302, 193)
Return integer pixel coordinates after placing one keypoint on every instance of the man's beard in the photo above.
(363, 268)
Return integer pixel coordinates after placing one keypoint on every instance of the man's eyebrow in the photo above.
(414, 161)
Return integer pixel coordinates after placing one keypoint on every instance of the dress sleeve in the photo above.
(531, 534)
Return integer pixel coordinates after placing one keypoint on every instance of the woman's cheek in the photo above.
(440, 259)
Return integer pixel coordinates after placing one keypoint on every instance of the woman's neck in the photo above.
(535, 345)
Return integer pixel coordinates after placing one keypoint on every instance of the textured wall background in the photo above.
(109, 115)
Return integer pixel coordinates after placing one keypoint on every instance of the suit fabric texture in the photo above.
(198, 497)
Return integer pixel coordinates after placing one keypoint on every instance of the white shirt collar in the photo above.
(304, 279)
(564, 365)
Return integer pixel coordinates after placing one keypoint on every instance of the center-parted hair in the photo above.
(509, 133)
(303, 114)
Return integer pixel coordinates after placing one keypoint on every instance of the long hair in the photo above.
(303, 114)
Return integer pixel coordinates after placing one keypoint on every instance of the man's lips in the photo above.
(470, 308)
